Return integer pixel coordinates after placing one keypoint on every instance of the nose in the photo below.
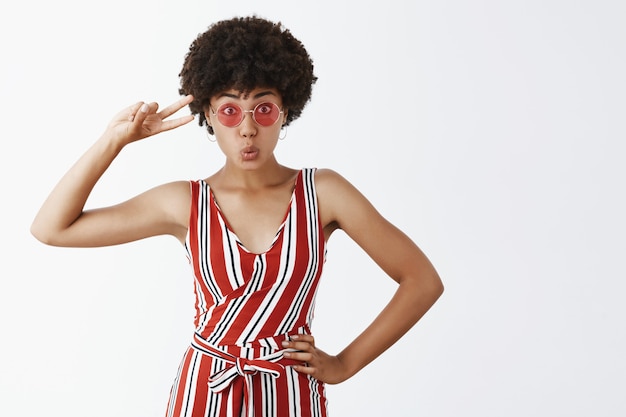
(248, 127)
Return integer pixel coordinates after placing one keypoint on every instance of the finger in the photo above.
(299, 356)
(174, 107)
(309, 370)
(302, 346)
(301, 342)
(304, 337)
(140, 114)
(132, 111)
(307, 338)
(174, 123)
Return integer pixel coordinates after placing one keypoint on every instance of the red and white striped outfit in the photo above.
(246, 305)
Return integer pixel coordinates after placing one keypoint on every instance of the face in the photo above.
(247, 127)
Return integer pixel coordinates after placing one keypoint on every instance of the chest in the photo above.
(255, 218)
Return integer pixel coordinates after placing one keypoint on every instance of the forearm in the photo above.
(411, 301)
(60, 220)
(66, 201)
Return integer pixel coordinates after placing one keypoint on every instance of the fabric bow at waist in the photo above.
(236, 367)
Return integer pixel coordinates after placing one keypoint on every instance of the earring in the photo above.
(283, 133)
(208, 134)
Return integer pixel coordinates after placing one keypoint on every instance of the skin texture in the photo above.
(251, 181)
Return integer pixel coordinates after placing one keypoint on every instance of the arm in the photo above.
(62, 221)
(419, 284)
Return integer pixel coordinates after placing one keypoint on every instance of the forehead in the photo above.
(254, 94)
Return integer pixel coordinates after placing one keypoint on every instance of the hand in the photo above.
(315, 362)
(142, 120)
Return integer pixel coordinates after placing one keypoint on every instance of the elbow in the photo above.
(429, 286)
(440, 290)
(439, 284)
(426, 286)
(42, 234)
(435, 287)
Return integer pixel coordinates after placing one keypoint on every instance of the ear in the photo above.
(285, 113)
(207, 116)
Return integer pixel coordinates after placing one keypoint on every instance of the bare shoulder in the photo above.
(328, 181)
(181, 189)
(341, 203)
(329, 185)
(174, 198)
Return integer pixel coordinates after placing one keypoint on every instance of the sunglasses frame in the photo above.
(243, 113)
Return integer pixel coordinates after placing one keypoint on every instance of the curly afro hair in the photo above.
(245, 53)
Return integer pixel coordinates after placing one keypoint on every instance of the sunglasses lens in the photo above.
(266, 114)
(229, 115)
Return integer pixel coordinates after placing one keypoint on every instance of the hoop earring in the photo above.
(283, 130)
(208, 134)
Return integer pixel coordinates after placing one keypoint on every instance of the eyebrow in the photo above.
(258, 95)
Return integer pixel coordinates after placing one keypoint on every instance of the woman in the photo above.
(255, 231)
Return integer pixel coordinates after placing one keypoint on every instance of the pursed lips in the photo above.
(249, 153)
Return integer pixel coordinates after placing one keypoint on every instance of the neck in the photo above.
(270, 174)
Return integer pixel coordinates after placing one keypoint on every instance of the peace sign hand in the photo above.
(142, 120)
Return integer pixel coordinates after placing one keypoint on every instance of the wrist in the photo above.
(348, 369)
(112, 142)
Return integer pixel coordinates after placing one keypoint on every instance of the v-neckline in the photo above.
(279, 231)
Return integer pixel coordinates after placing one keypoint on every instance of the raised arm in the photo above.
(62, 220)
(342, 206)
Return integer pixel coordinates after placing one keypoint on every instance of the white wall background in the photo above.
(492, 132)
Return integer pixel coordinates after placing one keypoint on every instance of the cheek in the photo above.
(223, 144)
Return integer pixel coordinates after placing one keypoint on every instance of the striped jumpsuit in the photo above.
(246, 305)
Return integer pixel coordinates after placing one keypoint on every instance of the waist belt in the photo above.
(237, 367)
